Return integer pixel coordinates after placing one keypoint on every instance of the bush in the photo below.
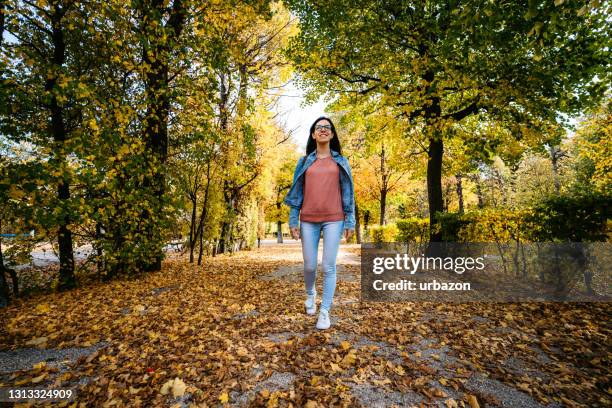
(413, 230)
(582, 218)
(450, 225)
(495, 225)
(385, 233)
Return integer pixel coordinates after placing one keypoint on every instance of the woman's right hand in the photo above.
(295, 233)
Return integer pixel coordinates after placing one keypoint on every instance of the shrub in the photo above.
(385, 233)
(413, 230)
(568, 218)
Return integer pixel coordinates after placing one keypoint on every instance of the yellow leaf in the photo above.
(224, 398)
(165, 389)
(15, 193)
(177, 386)
(273, 401)
(93, 125)
(178, 389)
(22, 382)
(40, 365)
(451, 403)
(39, 378)
(471, 399)
(37, 341)
(311, 404)
(439, 393)
(345, 345)
(348, 360)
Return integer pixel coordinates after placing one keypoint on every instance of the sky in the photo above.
(296, 118)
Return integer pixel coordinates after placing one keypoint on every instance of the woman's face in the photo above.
(322, 131)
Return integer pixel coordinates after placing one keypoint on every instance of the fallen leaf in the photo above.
(38, 379)
(37, 341)
(177, 386)
(40, 365)
(348, 360)
(43, 308)
(224, 398)
(451, 403)
(439, 393)
(471, 399)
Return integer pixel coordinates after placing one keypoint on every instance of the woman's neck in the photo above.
(323, 150)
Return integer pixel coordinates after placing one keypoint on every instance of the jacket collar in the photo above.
(333, 153)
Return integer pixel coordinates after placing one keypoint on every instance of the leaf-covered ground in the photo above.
(234, 333)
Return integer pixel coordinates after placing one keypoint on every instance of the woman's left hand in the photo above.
(348, 233)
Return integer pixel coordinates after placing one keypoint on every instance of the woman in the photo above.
(322, 195)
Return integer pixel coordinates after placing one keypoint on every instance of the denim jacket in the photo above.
(295, 196)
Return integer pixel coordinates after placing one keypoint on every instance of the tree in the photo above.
(45, 58)
(591, 148)
(437, 63)
(276, 211)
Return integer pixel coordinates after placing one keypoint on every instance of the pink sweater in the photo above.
(322, 196)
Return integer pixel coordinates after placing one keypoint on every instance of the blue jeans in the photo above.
(332, 234)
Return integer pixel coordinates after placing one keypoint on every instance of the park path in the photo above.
(234, 333)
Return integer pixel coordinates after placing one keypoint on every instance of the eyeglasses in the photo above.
(321, 127)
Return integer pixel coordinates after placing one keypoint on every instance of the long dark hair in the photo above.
(334, 143)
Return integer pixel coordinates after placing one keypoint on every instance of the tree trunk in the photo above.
(357, 224)
(192, 227)
(279, 232)
(119, 264)
(555, 154)
(383, 206)
(5, 296)
(479, 192)
(447, 196)
(201, 249)
(460, 192)
(203, 214)
(223, 240)
(67, 279)
(155, 55)
(434, 184)
(99, 253)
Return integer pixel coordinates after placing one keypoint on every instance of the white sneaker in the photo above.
(310, 305)
(323, 321)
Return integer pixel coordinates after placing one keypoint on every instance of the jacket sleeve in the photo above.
(349, 217)
(294, 213)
